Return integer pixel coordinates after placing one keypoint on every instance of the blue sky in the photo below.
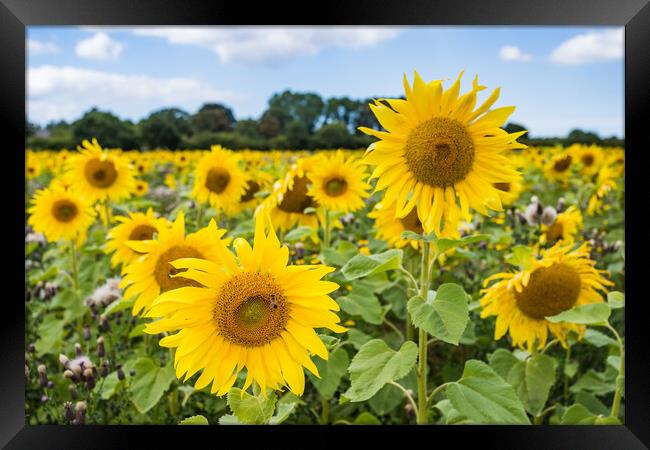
(559, 78)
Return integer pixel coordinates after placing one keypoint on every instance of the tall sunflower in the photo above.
(558, 168)
(565, 229)
(60, 214)
(509, 192)
(290, 203)
(151, 274)
(438, 149)
(218, 179)
(338, 183)
(136, 226)
(559, 281)
(255, 312)
(591, 158)
(99, 174)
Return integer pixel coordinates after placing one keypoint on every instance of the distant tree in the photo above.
(364, 117)
(31, 128)
(109, 129)
(165, 128)
(297, 134)
(213, 117)
(305, 107)
(247, 127)
(333, 135)
(578, 136)
(515, 128)
(270, 125)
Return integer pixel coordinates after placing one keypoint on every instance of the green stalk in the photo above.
(618, 394)
(326, 230)
(107, 209)
(567, 360)
(75, 283)
(422, 413)
(324, 412)
(199, 216)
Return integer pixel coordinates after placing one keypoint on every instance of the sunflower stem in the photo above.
(75, 283)
(423, 410)
(567, 361)
(199, 216)
(107, 210)
(324, 412)
(618, 394)
(326, 229)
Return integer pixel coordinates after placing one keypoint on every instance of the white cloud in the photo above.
(66, 92)
(41, 48)
(269, 45)
(590, 47)
(99, 46)
(513, 53)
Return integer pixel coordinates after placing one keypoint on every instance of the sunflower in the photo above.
(141, 188)
(590, 158)
(338, 183)
(33, 166)
(566, 227)
(509, 192)
(136, 226)
(290, 199)
(149, 275)
(255, 312)
(605, 183)
(438, 147)
(60, 214)
(256, 182)
(559, 167)
(99, 174)
(390, 229)
(218, 180)
(558, 281)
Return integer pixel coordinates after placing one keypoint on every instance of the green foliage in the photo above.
(150, 383)
(331, 373)
(362, 302)
(377, 364)
(363, 266)
(532, 380)
(589, 314)
(249, 409)
(194, 420)
(443, 315)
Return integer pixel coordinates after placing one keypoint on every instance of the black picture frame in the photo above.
(16, 15)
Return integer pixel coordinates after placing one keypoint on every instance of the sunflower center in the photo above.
(336, 186)
(142, 233)
(439, 152)
(411, 222)
(550, 291)
(296, 200)
(101, 174)
(554, 232)
(252, 189)
(505, 187)
(250, 309)
(562, 164)
(217, 180)
(164, 270)
(64, 210)
(587, 160)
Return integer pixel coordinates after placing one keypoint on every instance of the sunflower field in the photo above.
(447, 274)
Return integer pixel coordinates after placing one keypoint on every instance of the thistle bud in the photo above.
(560, 204)
(31, 348)
(103, 324)
(73, 391)
(44, 398)
(80, 416)
(77, 349)
(548, 216)
(86, 333)
(103, 370)
(50, 384)
(120, 373)
(300, 250)
(42, 375)
(69, 374)
(532, 214)
(132, 372)
(67, 412)
(90, 378)
(65, 362)
(101, 350)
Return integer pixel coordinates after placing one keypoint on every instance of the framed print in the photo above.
(403, 215)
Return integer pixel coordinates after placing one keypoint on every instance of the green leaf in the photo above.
(444, 315)
(138, 330)
(50, 333)
(341, 255)
(446, 244)
(109, 386)
(362, 265)
(592, 403)
(118, 305)
(520, 256)
(451, 414)
(358, 338)
(331, 372)
(362, 302)
(249, 409)
(365, 418)
(598, 339)
(298, 234)
(571, 368)
(501, 361)
(286, 406)
(589, 314)
(229, 419)
(150, 383)
(375, 365)
(483, 396)
(386, 399)
(532, 380)
(594, 382)
(194, 420)
(616, 299)
(578, 414)
(431, 237)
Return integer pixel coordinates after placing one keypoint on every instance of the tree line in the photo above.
(292, 120)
